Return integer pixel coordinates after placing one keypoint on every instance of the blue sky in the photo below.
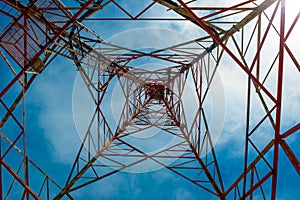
(53, 139)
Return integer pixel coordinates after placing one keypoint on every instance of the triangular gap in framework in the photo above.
(130, 10)
(291, 47)
(288, 178)
(290, 151)
(292, 31)
(245, 41)
(149, 9)
(225, 19)
(111, 11)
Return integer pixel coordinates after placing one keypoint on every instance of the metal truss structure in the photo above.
(35, 32)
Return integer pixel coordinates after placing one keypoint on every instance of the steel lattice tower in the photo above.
(253, 37)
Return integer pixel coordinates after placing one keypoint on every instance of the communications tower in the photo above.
(211, 75)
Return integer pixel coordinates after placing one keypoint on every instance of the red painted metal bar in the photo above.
(192, 7)
(157, 56)
(26, 168)
(278, 103)
(230, 53)
(247, 135)
(291, 131)
(26, 171)
(137, 19)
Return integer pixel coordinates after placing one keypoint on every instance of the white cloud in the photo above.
(52, 93)
(180, 194)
